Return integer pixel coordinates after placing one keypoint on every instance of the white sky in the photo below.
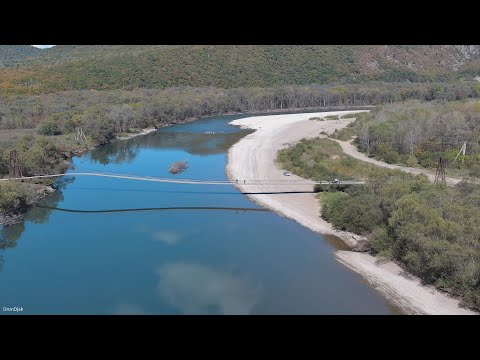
(43, 46)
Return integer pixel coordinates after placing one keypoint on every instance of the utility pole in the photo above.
(80, 135)
(14, 166)
(463, 150)
(440, 174)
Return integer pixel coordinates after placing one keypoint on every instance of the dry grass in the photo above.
(10, 137)
(322, 158)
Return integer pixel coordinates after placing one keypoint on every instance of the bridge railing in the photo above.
(194, 181)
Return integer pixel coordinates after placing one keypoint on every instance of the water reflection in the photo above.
(168, 236)
(193, 143)
(38, 214)
(10, 234)
(116, 152)
(200, 289)
(126, 151)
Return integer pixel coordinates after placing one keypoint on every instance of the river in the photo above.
(152, 259)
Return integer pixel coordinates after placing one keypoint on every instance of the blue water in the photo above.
(173, 261)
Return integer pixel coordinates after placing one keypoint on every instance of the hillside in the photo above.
(78, 67)
(13, 54)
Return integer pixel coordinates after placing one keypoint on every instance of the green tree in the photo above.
(11, 200)
(49, 127)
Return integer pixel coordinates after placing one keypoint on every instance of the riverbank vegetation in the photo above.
(15, 199)
(12, 199)
(432, 229)
(62, 112)
(417, 134)
(43, 128)
(102, 114)
(36, 155)
(322, 159)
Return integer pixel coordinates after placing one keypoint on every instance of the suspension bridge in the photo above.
(244, 182)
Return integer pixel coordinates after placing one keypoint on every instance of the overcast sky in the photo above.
(43, 46)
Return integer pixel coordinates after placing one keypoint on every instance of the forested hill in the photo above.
(13, 54)
(102, 67)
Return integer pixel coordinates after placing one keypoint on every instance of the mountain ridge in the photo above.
(10, 55)
(107, 67)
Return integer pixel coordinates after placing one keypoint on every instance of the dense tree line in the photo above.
(418, 133)
(432, 229)
(123, 109)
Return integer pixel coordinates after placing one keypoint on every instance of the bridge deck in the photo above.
(190, 181)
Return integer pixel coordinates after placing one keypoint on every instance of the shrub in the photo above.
(331, 117)
(361, 214)
(11, 200)
(381, 241)
(332, 207)
(350, 116)
(38, 155)
(318, 188)
(475, 170)
(72, 123)
(392, 157)
(49, 128)
(411, 161)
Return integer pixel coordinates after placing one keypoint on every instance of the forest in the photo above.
(111, 67)
(142, 107)
(417, 134)
(431, 229)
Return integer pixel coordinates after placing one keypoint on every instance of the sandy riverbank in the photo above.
(253, 158)
(404, 290)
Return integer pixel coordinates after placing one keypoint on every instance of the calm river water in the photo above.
(163, 261)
